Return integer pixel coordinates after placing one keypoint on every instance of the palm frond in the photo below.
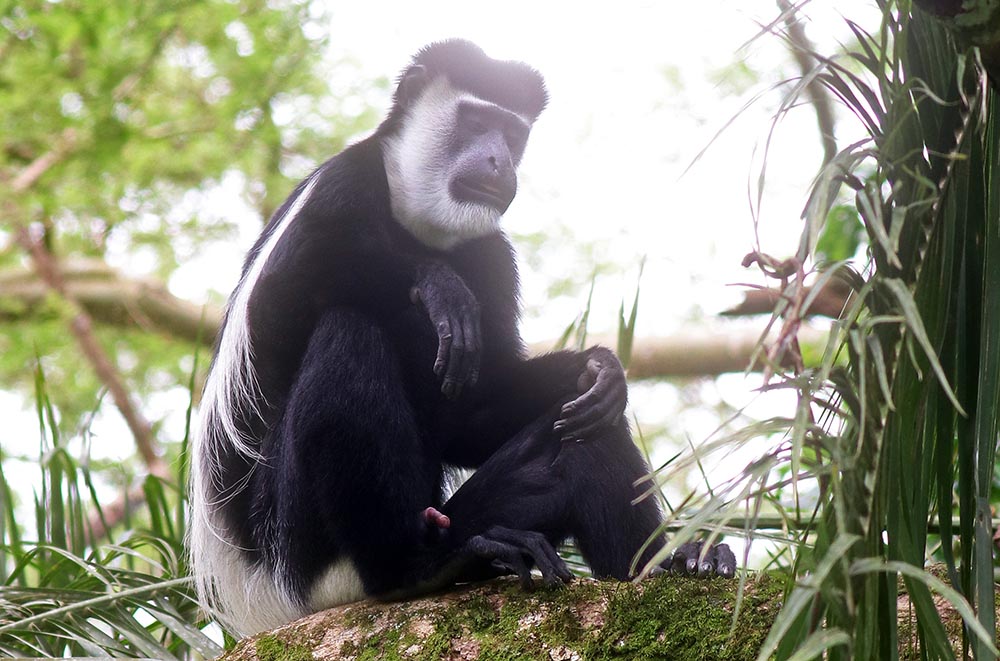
(899, 421)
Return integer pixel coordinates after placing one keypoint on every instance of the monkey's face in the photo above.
(452, 167)
(487, 144)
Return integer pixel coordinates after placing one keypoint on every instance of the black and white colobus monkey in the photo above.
(372, 341)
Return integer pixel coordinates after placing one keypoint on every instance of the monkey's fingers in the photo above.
(469, 371)
(473, 351)
(444, 346)
(502, 555)
(685, 559)
(539, 549)
(463, 358)
(586, 432)
(725, 561)
(451, 386)
(692, 559)
(458, 352)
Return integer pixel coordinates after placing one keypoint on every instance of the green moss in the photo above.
(272, 648)
(480, 614)
(677, 618)
(664, 618)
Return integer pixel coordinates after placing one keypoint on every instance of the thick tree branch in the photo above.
(693, 354)
(668, 617)
(110, 298)
(663, 618)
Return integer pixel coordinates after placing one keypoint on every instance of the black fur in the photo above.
(355, 430)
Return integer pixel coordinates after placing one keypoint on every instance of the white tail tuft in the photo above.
(243, 595)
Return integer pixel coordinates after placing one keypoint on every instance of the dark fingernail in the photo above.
(559, 426)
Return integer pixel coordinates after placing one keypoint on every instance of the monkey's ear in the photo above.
(412, 84)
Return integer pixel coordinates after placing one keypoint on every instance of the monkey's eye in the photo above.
(473, 124)
(516, 136)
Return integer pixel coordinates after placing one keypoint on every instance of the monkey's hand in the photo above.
(454, 312)
(603, 400)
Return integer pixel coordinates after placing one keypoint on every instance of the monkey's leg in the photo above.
(351, 471)
(585, 490)
(609, 528)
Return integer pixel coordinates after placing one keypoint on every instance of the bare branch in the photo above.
(802, 49)
(830, 301)
(81, 326)
(111, 298)
(701, 353)
(33, 172)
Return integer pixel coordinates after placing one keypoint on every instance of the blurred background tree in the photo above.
(121, 118)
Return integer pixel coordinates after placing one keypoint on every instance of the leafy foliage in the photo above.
(147, 108)
(68, 593)
(906, 430)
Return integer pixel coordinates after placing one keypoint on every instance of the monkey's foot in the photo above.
(515, 551)
(719, 560)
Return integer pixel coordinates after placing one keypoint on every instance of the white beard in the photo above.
(420, 199)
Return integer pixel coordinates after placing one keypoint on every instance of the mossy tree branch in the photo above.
(662, 618)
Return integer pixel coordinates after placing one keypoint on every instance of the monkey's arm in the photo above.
(330, 259)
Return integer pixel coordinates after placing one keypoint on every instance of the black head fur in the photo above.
(507, 83)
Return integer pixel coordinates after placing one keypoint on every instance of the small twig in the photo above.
(29, 175)
(786, 344)
(819, 97)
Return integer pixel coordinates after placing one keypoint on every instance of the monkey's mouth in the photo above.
(497, 195)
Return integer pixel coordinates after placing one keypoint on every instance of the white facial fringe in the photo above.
(418, 191)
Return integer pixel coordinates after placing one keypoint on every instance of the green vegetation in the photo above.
(120, 119)
(897, 426)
